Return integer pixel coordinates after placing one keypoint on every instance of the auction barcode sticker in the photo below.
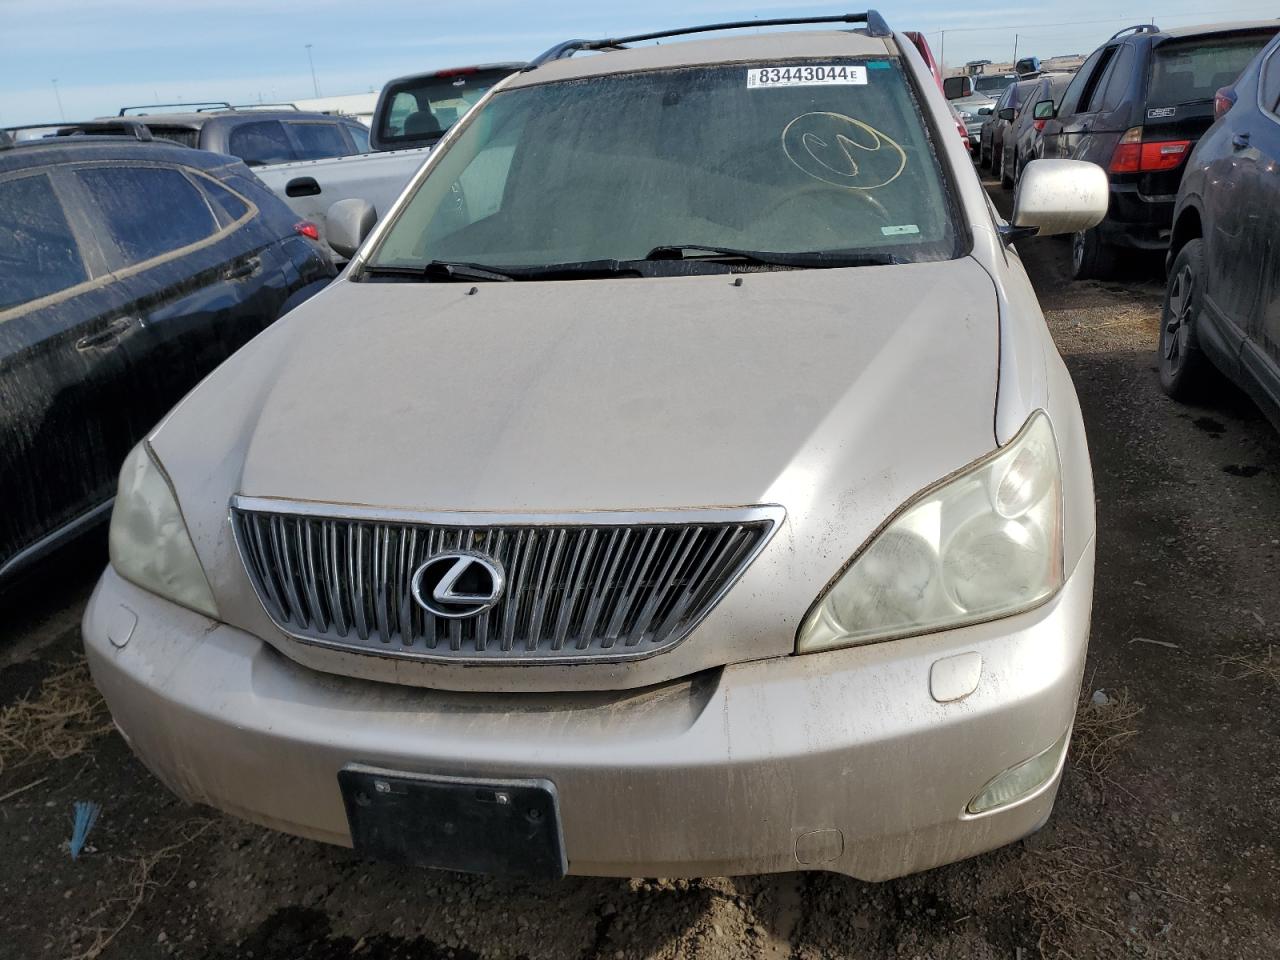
(808, 75)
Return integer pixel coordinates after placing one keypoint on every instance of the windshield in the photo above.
(424, 108)
(802, 157)
(1193, 70)
(991, 86)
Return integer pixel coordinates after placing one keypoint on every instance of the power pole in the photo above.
(942, 53)
(1015, 52)
(315, 84)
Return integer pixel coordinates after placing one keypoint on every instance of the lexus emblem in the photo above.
(457, 585)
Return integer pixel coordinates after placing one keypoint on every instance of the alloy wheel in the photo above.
(1177, 325)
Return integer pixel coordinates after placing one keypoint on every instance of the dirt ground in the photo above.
(1163, 842)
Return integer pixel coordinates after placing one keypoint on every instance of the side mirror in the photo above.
(347, 223)
(1045, 110)
(957, 88)
(1007, 114)
(1060, 196)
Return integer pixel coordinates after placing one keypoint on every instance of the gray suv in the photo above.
(257, 135)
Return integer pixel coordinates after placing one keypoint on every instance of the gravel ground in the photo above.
(1163, 842)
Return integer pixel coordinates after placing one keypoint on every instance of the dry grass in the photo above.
(1101, 732)
(1265, 667)
(1062, 881)
(56, 723)
(1057, 883)
(148, 873)
(1062, 884)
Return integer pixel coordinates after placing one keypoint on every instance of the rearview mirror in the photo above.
(348, 222)
(1008, 113)
(957, 88)
(985, 111)
(1060, 196)
(1045, 110)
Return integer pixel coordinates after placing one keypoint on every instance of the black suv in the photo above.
(128, 271)
(1223, 299)
(256, 135)
(1136, 108)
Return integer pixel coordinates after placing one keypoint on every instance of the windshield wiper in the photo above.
(817, 258)
(456, 270)
(450, 270)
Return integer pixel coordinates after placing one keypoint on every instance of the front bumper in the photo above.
(840, 761)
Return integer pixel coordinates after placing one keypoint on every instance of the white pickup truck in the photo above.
(413, 113)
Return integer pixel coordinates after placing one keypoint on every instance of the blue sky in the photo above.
(107, 54)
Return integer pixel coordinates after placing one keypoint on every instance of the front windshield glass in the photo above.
(792, 157)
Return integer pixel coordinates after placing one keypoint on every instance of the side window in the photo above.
(1119, 79)
(1269, 85)
(148, 211)
(360, 134)
(38, 253)
(224, 202)
(316, 141)
(1004, 98)
(1091, 97)
(261, 142)
(1071, 98)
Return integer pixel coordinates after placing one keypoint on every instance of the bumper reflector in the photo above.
(1020, 781)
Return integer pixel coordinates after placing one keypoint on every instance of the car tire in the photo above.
(1184, 369)
(1091, 258)
(1006, 172)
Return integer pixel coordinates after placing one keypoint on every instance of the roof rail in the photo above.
(214, 104)
(109, 128)
(282, 105)
(1136, 28)
(876, 27)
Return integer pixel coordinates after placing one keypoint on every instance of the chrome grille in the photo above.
(580, 587)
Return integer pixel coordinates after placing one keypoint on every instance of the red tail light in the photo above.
(307, 229)
(1132, 155)
(1223, 101)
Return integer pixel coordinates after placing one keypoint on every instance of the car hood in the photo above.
(837, 394)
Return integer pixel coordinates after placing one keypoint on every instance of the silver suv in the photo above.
(680, 480)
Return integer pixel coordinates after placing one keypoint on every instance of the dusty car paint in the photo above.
(86, 371)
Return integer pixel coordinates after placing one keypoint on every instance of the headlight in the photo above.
(982, 545)
(149, 541)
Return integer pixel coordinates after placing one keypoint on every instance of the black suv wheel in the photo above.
(1091, 259)
(1183, 367)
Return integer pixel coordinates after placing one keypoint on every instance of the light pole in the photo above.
(315, 84)
(1015, 52)
(57, 96)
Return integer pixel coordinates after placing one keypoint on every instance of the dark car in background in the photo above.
(257, 135)
(1222, 304)
(128, 271)
(417, 110)
(1136, 108)
(1023, 140)
(995, 132)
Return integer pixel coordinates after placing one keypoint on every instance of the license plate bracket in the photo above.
(500, 827)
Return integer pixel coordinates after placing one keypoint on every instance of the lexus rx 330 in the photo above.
(680, 480)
